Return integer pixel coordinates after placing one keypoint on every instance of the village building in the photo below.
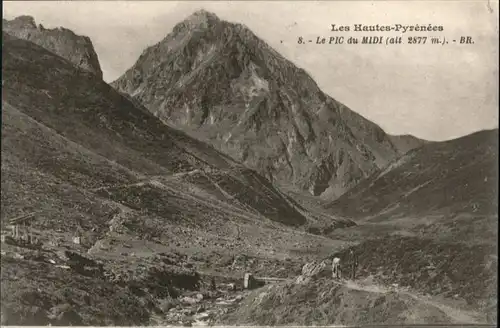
(20, 229)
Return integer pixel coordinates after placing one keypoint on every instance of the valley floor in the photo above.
(210, 312)
(40, 280)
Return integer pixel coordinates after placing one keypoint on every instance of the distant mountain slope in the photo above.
(449, 178)
(404, 143)
(221, 83)
(63, 42)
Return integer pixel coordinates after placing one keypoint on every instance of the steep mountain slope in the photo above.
(63, 42)
(150, 204)
(219, 82)
(446, 178)
(88, 112)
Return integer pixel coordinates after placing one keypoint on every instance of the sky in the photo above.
(434, 92)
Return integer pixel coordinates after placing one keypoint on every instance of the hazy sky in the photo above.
(431, 91)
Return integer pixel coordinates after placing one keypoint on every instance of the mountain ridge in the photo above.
(78, 49)
(443, 180)
(185, 153)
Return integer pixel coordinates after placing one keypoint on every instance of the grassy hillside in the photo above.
(452, 177)
(150, 203)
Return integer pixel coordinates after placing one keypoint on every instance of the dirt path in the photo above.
(458, 316)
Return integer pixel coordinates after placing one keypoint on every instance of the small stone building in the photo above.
(21, 228)
(249, 281)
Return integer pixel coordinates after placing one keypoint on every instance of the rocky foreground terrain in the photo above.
(136, 223)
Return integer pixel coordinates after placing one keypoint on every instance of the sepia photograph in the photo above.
(249, 163)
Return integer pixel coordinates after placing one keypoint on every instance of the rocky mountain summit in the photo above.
(61, 41)
(222, 84)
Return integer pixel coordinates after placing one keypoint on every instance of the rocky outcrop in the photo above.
(221, 83)
(312, 270)
(61, 41)
(65, 315)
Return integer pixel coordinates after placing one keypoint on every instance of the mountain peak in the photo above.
(63, 42)
(25, 21)
(220, 82)
(203, 14)
(200, 19)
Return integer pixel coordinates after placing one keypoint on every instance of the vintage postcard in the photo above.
(259, 163)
